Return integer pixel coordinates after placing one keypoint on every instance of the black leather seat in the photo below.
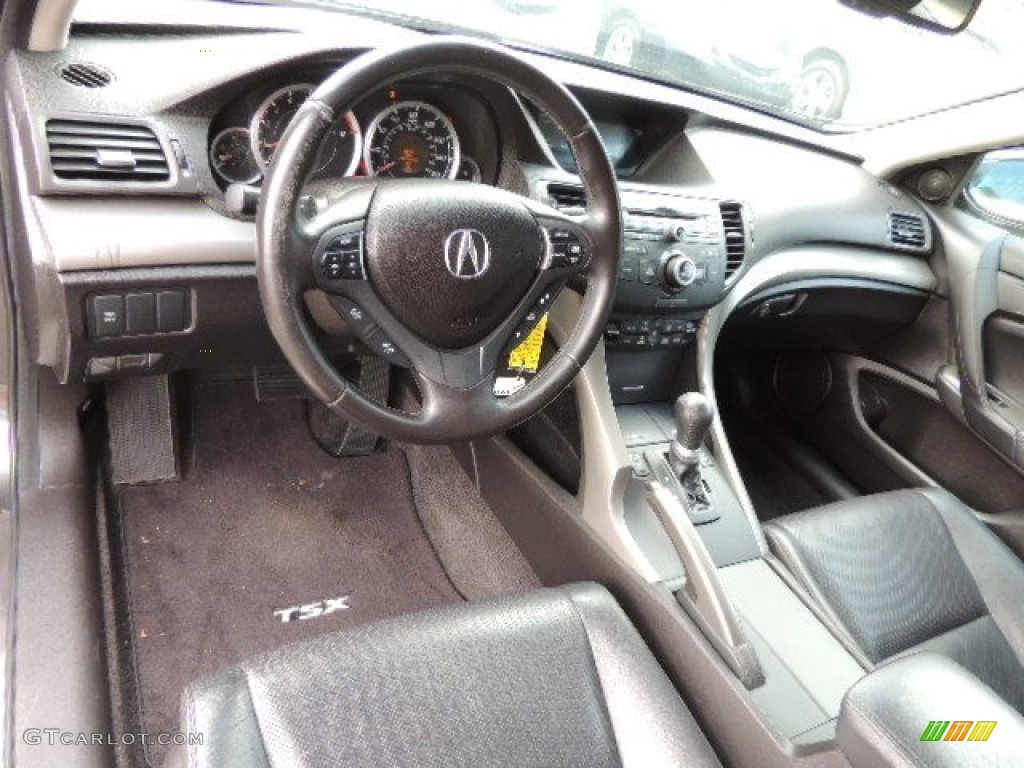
(910, 571)
(558, 677)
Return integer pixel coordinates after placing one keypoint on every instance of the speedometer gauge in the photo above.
(412, 139)
(341, 145)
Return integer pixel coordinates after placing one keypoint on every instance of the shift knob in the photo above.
(694, 416)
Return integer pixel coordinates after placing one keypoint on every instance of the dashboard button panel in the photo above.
(645, 333)
(673, 256)
(138, 313)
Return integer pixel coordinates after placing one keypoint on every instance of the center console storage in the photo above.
(684, 517)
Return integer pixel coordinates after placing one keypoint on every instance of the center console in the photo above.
(679, 255)
(674, 254)
(664, 498)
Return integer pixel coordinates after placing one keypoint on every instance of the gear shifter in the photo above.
(694, 416)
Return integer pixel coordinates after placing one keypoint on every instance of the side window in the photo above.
(997, 186)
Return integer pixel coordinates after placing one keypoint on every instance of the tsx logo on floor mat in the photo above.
(313, 610)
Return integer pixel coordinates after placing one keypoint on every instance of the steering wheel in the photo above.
(442, 277)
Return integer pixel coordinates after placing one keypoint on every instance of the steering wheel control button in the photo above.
(356, 318)
(342, 258)
(567, 249)
(368, 332)
(108, 316)
(386, 349)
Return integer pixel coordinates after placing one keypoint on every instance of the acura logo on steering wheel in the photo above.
(467, 253)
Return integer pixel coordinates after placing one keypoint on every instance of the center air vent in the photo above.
(117, 152)
(735, 237)
(85, 75)
(907, 230)
(567, 197)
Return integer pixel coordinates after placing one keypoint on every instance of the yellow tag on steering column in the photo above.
(526, 357)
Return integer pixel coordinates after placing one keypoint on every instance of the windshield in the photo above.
(813, 61)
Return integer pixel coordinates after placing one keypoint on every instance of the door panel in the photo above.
(943, 401)
(923, 430)
(1004, 355)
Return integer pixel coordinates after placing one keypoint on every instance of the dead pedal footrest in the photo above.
(141, 430)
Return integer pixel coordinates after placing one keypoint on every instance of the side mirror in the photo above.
(945, 16)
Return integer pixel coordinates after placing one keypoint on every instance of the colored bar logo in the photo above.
(958, 730)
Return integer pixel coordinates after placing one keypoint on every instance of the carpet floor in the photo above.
(263, 522)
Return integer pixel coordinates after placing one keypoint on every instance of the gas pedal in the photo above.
(336, 434)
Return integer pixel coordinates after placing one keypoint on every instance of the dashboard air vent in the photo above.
(81, 149)
(735, 237)
(85, 75)
(567, 197)
(907, 229)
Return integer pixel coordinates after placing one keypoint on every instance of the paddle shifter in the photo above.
(694, 416)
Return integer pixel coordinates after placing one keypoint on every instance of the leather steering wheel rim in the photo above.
(457, 405)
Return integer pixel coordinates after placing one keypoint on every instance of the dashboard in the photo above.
(709, 204)
(418, 129)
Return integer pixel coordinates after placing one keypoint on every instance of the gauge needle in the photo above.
(385, 167)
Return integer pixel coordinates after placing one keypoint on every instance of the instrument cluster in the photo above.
(420, 131)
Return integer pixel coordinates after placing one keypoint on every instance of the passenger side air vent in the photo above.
(907, 230)
(735, 237)
(85, 75)
(567, 197)
(81, 149)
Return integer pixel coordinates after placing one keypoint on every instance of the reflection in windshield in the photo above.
(813, 60)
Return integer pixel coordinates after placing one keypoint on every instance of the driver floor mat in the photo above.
(267, 540)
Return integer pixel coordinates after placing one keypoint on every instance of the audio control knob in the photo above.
(679, 272)
(675, 232)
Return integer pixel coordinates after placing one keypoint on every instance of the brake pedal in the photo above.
(278, 382)
(340, 437)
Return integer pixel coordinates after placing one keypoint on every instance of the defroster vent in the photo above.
(100, 151)
(85, 75)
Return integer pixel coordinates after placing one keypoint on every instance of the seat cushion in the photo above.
(556, 678)
(888, 571)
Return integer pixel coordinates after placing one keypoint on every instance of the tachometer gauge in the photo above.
(412, 139)
(341, 145)
(231, 157)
